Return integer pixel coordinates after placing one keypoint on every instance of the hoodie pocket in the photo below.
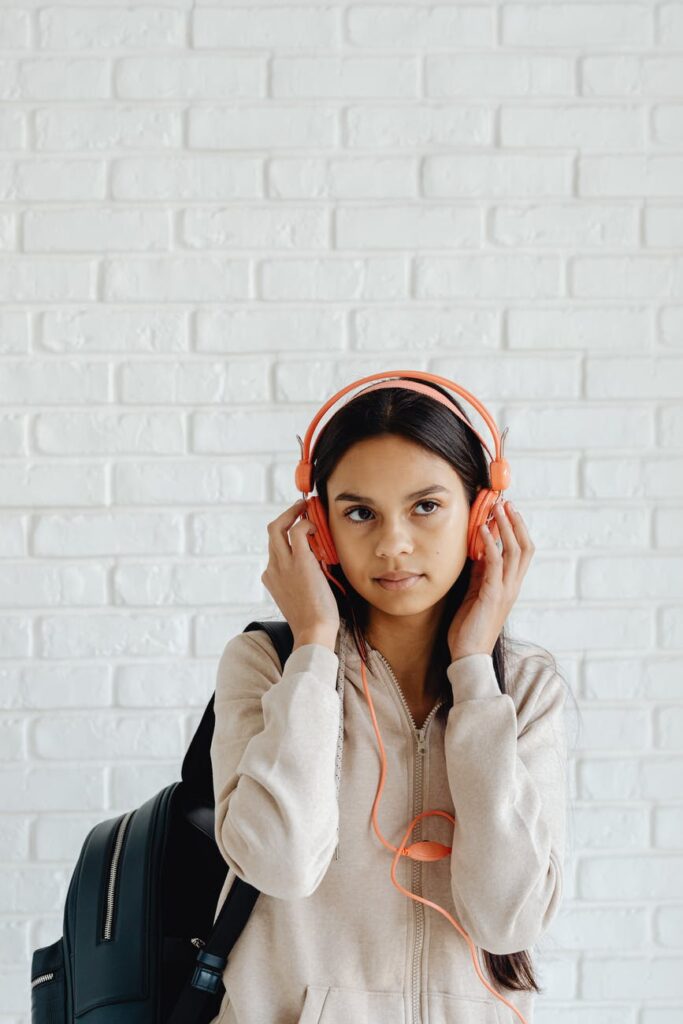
(450, 1009)
(324, 1005)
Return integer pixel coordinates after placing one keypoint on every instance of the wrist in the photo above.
(457, 654)
(317, 635)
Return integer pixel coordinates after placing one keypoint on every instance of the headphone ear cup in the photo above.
(481, 513)
(320, 542)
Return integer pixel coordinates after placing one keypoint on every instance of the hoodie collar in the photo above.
(350, 659)
(377, 669)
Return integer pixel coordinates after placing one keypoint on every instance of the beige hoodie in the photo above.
(331, 939)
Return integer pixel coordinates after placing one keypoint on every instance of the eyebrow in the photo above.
(433, 488)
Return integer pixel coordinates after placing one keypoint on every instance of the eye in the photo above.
(364, 508)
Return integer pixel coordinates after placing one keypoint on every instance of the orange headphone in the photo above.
(321, 542)
(323, 548)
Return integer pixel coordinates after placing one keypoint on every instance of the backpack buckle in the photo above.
(208, 973)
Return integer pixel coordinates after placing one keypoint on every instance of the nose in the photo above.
(393, 540)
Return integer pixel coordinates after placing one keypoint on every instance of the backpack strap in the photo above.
(200, 999)
(196, 770)
(280, 633)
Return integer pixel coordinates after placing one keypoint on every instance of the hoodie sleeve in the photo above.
(506, 772)
(273, 760)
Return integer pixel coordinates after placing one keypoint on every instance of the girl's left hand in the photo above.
(494, 586)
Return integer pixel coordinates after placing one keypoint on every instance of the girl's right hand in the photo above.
(294, 577)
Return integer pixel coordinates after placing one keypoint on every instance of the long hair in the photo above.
(427, 422)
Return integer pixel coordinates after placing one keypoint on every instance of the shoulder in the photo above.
(249, 662)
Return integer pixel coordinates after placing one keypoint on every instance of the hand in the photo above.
(295, 578)
(494, 586)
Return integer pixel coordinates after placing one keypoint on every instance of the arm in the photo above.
(506, 771)
(273, 759)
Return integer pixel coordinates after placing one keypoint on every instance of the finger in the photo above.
(299, 531)
(514, 564)
(526, 548)
(298, 543)
(511, 549)
(492, 555)
(520, 528)
(289, 514)
(278, 529)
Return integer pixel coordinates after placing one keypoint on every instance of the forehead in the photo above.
(390, 465)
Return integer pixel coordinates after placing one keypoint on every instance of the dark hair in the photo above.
(426, 422)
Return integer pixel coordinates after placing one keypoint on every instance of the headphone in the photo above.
(323, 548)
(321, 542)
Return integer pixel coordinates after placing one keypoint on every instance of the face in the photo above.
(385, 530)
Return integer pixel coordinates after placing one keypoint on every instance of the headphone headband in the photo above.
(499, 469)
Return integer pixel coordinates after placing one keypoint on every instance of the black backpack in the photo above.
(139, 944)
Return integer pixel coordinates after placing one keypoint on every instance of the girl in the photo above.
(470, 725)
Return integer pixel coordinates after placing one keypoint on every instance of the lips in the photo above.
(398, 576)
(404, 584)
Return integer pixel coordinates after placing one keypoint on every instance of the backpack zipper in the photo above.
(42, 978)
(416, 886)
(113, 876)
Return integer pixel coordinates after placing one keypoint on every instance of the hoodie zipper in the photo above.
(416, 885)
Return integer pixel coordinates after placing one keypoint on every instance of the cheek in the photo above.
(339, 536)
(348, 550)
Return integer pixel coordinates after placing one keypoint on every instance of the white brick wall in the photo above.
(214, 214)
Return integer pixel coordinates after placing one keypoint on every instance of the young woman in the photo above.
(470, 725)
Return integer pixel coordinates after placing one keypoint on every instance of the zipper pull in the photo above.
(421, 742)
